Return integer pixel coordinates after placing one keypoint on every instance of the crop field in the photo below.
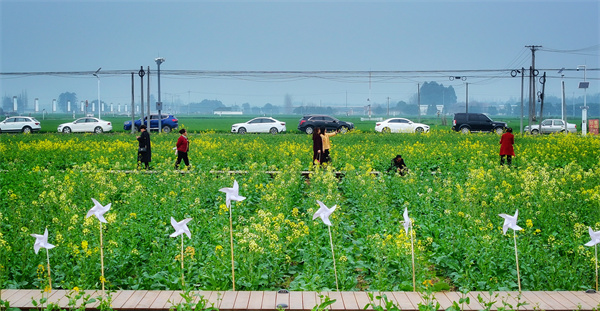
(454, 192)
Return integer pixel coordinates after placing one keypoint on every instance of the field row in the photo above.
(454, 192)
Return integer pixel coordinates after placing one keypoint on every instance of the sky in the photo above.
(315, 52)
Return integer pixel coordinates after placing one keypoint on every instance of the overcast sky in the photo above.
(421, 40)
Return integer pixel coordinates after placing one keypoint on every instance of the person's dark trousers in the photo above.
(508, 159)
(182, 156)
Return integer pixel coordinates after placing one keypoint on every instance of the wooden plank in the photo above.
(415, 299)
(309, 300)
(487, 299)
(147, 300)
(121, 299)
(97, 294)
(25, 297)
(533, 301)
(282, 299)
(134, 299)
(443, 300)
(202, 295)
(554, 303)
(339, 303)
(362, 299)
(228, 300)
(161, 300)
(255, 301)
(175, 298)
(241, 301)
(269, 301)
(400, 299)
(6, 294)
(58, 296)
(566, 296)
(472, 305)
(593, 299)
(349, 301)
(296, 303)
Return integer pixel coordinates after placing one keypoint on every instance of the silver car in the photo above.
(20, 124)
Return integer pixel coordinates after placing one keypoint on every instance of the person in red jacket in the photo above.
(183, 146)
(506, 146)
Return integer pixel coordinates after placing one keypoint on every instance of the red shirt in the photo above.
(183, 144)
(506, 144)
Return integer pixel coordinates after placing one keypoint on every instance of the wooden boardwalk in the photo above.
(299, 301)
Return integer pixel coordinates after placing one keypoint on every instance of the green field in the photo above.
(454, 193)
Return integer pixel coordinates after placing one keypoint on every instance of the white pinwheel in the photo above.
(510, 222)
(232, 194)
(324, 213)
(98, 210)
(41, 241)
(595, 236)
(407, 222)
(180, 228)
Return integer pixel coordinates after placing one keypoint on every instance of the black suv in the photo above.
(476, 122)
(309, 123)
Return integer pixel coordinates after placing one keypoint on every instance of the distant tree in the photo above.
(492, 110)
(65, 97)
(7, 104)
(433, 94)
(246, 108)
(22, 103)
(206, 106)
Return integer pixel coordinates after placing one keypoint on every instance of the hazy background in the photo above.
(204, 42)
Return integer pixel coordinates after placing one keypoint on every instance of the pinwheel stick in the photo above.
(231, 242)
(412, 251)
(50, 278)
(596, 253)
(182, 280)
(102, 258)
(517, 260)
(333, 255)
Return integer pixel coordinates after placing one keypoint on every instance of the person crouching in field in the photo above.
(398, 165)
(326, 144)
(183, 146)
(506, 147)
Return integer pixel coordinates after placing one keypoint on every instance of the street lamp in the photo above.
(563, 103)
(584, 85)
(159, 61)
(99, 106)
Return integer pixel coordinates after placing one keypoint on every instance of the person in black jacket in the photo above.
(145, 148)
(317, 146)
(398, 165)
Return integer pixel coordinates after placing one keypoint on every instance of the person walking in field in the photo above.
(506, 147)
(326, 144)
(183, 146)
(144, 148)
(317, 146)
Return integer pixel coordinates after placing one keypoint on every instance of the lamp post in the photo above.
(584, 85)
(563, 103)
(99, 106)
(159, 61)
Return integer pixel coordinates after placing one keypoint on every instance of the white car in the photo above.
(86, 124)
(400, 125)
(20, 124)
(549, 126)
(259, 125)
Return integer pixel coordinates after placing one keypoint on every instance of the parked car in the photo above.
(20, 124)
(167, 123)
(309, 122)
(549, 126)
(86, 124)
(476, 122)
(400, 125)
(259, 125)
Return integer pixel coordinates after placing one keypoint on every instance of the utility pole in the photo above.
(532, 75)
